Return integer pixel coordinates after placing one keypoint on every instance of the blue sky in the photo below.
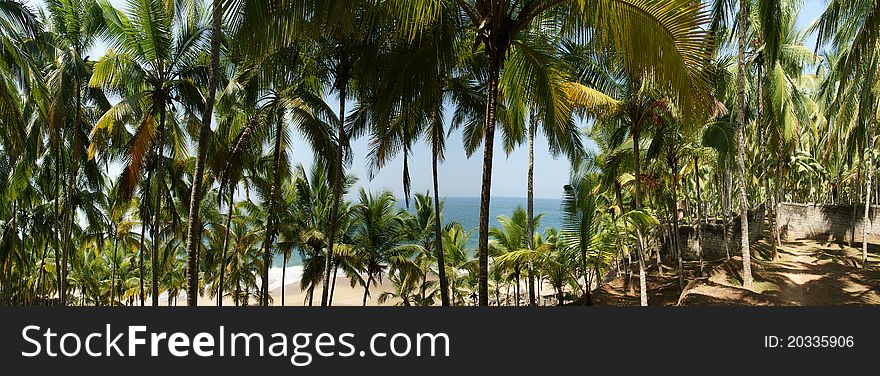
(460, 176)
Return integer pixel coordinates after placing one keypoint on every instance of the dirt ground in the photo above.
(804, 273)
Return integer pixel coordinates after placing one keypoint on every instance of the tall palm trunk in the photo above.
(332, 284)
(270, 220)
(531, 208)
(438, 235)
(113, 271)
(675, 232)
(740, 125)
(627, 282)
(157, 214)
(854, 199)
(699, 214)
(58, 222)
(869, 149)
(643, 283)
(192, 241)
(71, 188)
(728, 207)
(774, 203)
(141, 248)
(486, 189)
(338, 177)
(283, 277)
(225, 246)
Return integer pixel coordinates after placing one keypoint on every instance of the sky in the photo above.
(458, 175)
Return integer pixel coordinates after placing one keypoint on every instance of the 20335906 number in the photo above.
(809, 341)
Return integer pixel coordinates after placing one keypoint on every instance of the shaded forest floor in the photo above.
(804, 273)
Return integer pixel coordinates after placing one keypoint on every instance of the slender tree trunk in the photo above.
(531, 207)
(71, 188)
(727, 208)
(338, 177)
(852, 233)
(774, 203)
(643, 293)
(627, 282)
(588, 297)
(225, 246)
(366, 291)
(270, 220)
(157, 214)
(678, 250)
(283, 277)
(141, 248)
(195, 201)
(237, 288)
(486, 187)
(438, 235)
(740, 125)
(113, 271)
(516, 289)
(332, 284)
(58, 222)
(699, 214)
(869, 148)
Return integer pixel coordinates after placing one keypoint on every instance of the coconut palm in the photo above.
(503, 26)
(152, 64)
(379, 239)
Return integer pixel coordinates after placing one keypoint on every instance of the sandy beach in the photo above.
(343, 293)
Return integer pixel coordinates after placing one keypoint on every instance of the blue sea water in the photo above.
(466, 210)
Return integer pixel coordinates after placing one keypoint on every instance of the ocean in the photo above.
(466, 210)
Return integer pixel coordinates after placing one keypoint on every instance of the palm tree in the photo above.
(380, 240)
(151, 67)
(502, 26)
(581, 206)
(852, 29)
(768, 15)
(203, 146)
(75, 27)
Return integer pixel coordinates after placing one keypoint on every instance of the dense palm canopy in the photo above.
(166, 165)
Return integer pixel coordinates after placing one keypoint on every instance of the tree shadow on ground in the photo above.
(804, 273)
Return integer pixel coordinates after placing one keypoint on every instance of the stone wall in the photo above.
(712, 235)
(827, 222)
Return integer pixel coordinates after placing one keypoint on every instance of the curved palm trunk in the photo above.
(870, 150)
(337, 194)
(486, 191)
(438, 235)
(270, 220)
(160, 182)
(332, 284)
(531, 209)
(225, 247)
(367, 290)
(740, 125)
(643, 284)
(192, 241)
